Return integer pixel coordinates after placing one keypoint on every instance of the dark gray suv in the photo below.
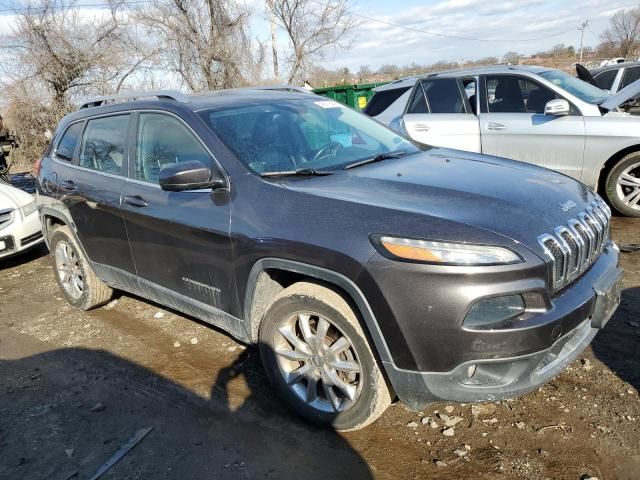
(364, 268)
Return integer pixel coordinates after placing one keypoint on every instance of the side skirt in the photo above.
(128, 282)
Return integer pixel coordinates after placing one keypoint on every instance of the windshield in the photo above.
(295, 133)
(581, 89)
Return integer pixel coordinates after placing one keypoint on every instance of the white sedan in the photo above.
(20, 227)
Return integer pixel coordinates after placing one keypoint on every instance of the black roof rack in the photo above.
(125, 97)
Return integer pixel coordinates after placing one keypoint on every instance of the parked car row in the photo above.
(365, 267)
(532, 114)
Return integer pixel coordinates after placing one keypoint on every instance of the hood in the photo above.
(11, 197)
(510, 198)
(627, 93)
(585, 75)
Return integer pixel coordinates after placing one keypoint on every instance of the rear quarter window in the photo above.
(382, 100)
(68, 141)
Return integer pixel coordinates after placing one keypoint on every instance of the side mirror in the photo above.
(557, 107)
(191, 175)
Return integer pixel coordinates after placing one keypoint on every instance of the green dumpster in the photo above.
(355, 96)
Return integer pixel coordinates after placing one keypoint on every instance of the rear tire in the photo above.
(317, 357)
(623, 185)
(76, 279)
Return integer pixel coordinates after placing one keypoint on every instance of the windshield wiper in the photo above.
(303, 172)
(378, 158)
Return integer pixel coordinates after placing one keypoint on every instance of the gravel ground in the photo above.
(75, 386)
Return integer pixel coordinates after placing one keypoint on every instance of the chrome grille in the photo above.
(5, 217)
(572, 248)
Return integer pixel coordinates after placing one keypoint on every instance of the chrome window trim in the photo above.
(126, 176)
(85, 169)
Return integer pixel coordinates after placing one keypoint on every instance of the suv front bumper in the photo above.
(490, 379)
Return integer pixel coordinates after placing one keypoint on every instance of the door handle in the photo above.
(68, 186)
(421, 127)
(135, 201)
(496, 126)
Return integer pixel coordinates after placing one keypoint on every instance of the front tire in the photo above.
(318, 358)
(80, 285)
(623, 185)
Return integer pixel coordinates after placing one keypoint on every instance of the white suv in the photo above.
(533, 114)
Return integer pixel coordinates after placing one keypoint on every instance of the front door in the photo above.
(179, 240)
(513, 125)
(440, 114)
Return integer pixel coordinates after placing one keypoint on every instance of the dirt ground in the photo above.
(75, 386)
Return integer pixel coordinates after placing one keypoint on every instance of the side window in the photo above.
(437, 96)
(605, 79)
(67, 144)
(418, 102)
(382, 100)
(630, 75)
(512, 94)
(103, 144)
(164, 140)
(443, 96)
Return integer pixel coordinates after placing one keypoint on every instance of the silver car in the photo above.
(533, 114)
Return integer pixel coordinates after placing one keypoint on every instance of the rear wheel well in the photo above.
(610, 164)
(51, 222)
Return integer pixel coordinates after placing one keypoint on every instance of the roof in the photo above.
(615, 66)
(463, 72)
(193, 101)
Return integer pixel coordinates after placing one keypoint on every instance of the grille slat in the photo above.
(572, 248)
(5, 216)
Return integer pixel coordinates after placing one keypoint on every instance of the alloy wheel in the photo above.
(318, 362)
(69, 270)
(628, 186)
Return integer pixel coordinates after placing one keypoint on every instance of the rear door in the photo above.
(513, 125)
(179, 240)
(630, 75)
(439, 113)
(89, 178)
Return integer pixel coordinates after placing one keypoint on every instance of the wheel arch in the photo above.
(610, 164)
(50, 217)
(266, 281)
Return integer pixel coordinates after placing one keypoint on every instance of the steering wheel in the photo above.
(330, 150)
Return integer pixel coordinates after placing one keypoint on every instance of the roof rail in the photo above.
(283, 88)
(124, 97)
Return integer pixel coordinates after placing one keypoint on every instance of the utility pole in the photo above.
(582, 26)
(274, 48)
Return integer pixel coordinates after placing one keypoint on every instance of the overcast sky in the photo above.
(525, 26)
(489, 28)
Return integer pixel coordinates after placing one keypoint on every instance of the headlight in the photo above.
(446, 252)
(29, 208)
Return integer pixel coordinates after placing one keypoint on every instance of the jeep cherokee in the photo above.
(363, 267)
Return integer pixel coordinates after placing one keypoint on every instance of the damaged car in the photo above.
(363, 268)
(532, 114)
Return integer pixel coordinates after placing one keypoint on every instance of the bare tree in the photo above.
(622, 38)
(312, 26)
(204, 42)
(54, 43)
(511, 57)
